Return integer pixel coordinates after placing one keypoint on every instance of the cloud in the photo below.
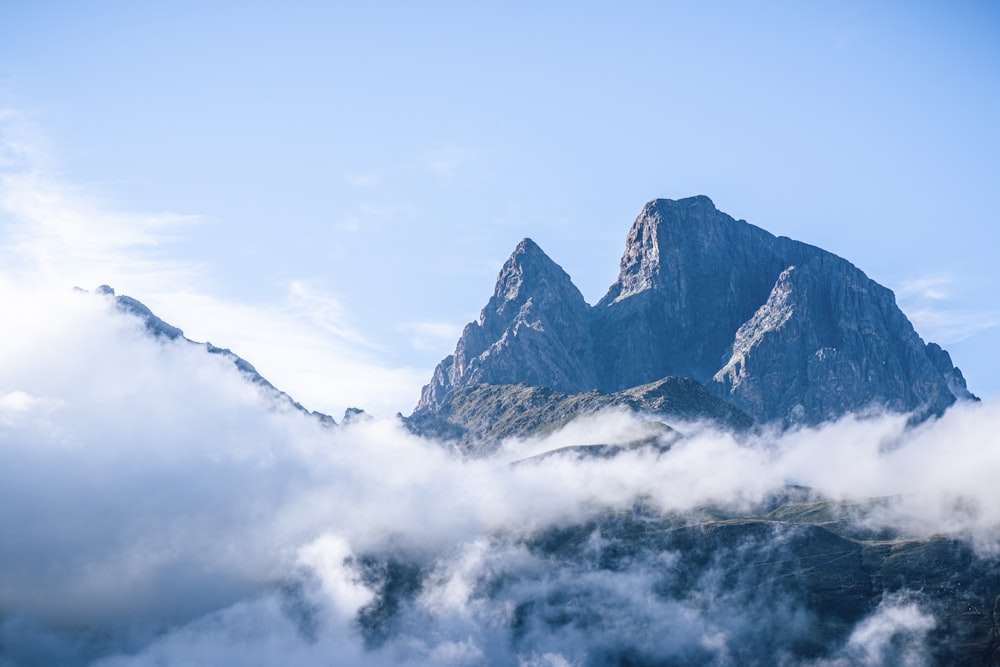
(168, 512)
(57, 236)
(951, 326)
(895, 634)
(936, 287)
(22, 146)
(157, 509)
(934, 306)
(432, 336)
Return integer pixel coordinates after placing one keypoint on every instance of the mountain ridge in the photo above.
(160, 329)
(785, 331)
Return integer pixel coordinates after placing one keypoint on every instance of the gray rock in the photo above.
(785, 331)
(535, 330)
(479, 416)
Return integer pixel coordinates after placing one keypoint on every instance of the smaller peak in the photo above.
(105, 289)
(528, 268)
(355, 415)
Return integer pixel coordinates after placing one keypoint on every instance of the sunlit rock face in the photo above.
(784, 331)
(535, 330)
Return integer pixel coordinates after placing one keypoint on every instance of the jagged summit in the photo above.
(656, 231)
(154, 324)
(528, 273)
(534, 330)
(783, 330)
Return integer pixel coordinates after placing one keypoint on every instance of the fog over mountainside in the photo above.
(163, 504)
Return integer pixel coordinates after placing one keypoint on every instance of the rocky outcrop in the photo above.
(479, 416)
(783, 330)
(535, 330)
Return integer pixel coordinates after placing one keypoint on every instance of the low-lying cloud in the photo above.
(156, 508)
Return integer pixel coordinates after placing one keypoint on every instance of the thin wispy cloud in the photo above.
(947, 326)
(433, 335)
(57, 236)
(935, 305)
(22, 146)
(171, 513)
(935, 287)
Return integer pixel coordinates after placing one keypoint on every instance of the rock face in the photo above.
(783, 330)
(535, 330)
(480, 416)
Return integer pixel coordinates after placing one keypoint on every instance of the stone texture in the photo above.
(479, 416)
(534, 330)
(785, 331)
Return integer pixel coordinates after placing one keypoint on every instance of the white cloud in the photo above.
(895, 634)
(934, 305)
(58, 236)
(947, 326)
(147, 481)
(432, 336)
(168, 512)
(934, 287)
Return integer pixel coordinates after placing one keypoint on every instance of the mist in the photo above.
(157, 508)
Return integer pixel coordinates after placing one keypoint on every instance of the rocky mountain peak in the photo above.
(781, 329)
(529, 274)
(664, 228)
(534, 329)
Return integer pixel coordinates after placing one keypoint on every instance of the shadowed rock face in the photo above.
(479, 416)
(641, 588)
(783, 330)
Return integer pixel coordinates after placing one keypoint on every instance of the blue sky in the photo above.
(331, 189)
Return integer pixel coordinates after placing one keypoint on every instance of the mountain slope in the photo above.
(534, 330)
(160, 329)
(783, 330)
(481, 415)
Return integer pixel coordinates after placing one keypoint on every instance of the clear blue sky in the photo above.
(330, 189)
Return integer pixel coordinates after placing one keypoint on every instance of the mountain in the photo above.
(157, 328)
(791, 583)
(535, 330)
(784, 331)
(489, 413)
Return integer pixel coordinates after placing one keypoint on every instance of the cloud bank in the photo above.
(158, 509)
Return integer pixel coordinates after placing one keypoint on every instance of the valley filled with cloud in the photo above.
(158, 508)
